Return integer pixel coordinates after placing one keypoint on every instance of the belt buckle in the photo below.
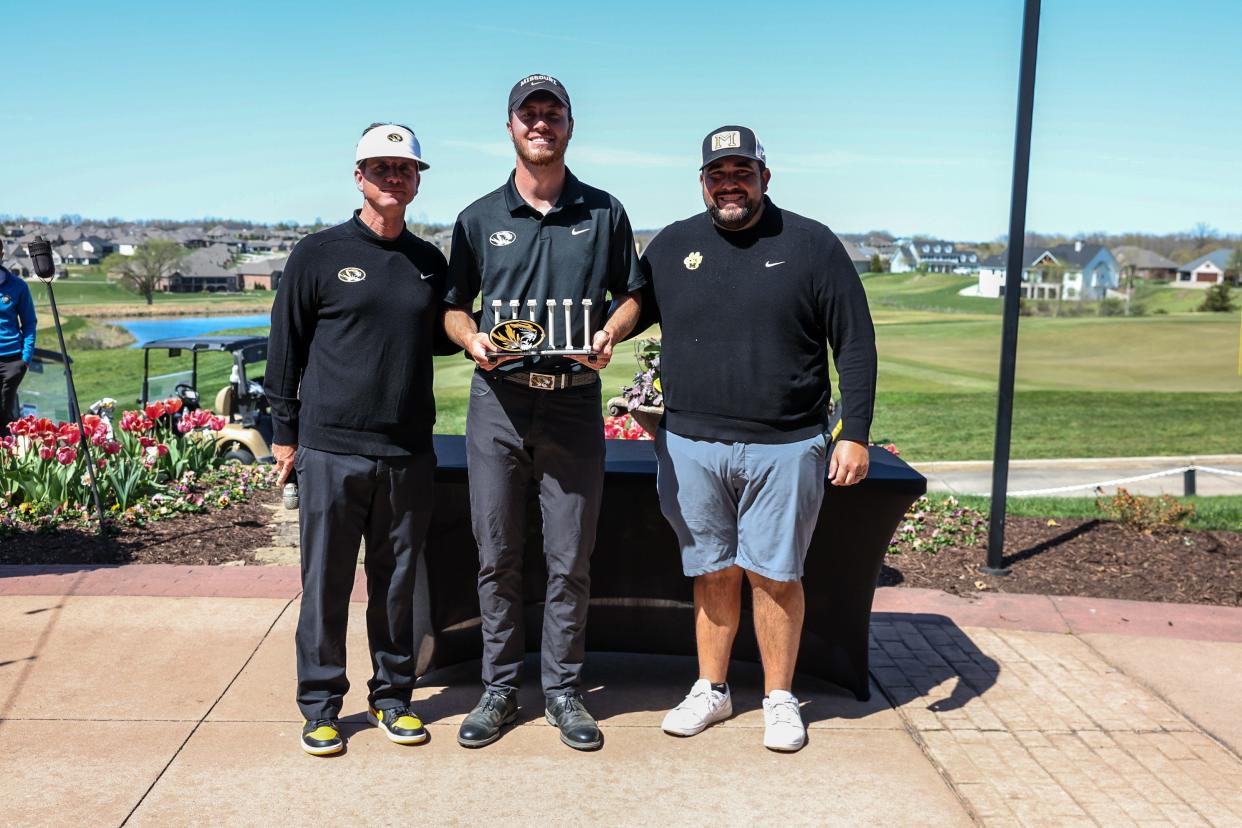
(544, 382)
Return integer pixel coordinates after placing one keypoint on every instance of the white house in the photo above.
(934, 257)
(1205, 271)
(1068, 271)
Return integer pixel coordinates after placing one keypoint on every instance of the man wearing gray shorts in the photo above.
(750, 298)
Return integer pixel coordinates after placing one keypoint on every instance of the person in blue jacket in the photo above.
(17, 340)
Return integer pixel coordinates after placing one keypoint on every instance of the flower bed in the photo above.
(156, 463)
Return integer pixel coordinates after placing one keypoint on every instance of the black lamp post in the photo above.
(40, 251)
(1013, 289)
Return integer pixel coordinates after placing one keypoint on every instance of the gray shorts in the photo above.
(752, 505)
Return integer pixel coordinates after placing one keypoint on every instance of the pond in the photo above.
(146, 329)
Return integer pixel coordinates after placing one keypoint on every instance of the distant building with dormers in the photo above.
(931, 256)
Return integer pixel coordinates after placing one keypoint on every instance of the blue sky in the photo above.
(896, 115)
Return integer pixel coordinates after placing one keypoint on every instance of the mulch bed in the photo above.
(1095, 558)
(214, 537)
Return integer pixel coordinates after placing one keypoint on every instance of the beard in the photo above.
(733, 216)
(540, 157)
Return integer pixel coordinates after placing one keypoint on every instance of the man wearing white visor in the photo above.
(357, 317)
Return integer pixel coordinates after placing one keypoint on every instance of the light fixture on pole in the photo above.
(40, 251)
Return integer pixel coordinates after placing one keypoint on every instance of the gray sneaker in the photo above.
(495, 709)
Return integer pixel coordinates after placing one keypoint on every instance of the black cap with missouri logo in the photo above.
(733, 140)
(531, 84)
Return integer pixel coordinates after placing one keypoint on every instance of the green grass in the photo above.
(73, 293)
(1048, 424)
(1156, 353)
(926, 291)
(1155, 296)
(1211, 513)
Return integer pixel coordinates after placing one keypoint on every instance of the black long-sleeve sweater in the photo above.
(354, 326)
(747, 318)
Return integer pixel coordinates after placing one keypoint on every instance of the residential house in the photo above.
(1208, 270)
(202, 270)
(934, 257)
(1073, 271)
(1140, 263)
(263, 274)
(860, 260)
(17, 260)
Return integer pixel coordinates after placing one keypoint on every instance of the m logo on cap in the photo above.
(351, 274)
(726, 140)
(501, 238)
(395, 137)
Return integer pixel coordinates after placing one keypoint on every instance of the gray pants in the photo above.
(516, 436)
(343, 499)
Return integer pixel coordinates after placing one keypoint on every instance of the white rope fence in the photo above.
(1119, 481)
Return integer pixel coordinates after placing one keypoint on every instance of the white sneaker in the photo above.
(704, 706)
(782, 722)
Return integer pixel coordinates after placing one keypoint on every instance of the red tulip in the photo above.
(46, 453)
(173, 404)
(154, 410)
(66, 455)
(112, 447)
(217, 423)
(161, 450)
(146, 442)
(68, 434)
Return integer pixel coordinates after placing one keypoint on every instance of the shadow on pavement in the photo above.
(915, 655)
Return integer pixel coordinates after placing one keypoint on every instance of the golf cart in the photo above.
(247, 436)
(44, 391)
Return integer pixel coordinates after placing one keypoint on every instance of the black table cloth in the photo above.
(640, 600)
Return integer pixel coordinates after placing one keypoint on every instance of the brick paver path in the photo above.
(1036, 728)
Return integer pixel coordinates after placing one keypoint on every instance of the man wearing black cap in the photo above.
(356, 319)
(540, 240)
(750, 297)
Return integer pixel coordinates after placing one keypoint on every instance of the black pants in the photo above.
(517, 436)
(12, 369)
(345, 498)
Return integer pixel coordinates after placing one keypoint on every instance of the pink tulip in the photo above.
(46, 453)
(66, 455)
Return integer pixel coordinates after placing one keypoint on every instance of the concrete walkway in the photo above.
(159, 695)
(975, 477)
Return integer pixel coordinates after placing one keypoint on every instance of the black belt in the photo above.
(551, 382)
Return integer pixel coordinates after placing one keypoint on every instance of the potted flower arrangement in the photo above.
(643, 401)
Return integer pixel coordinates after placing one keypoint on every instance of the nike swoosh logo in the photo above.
(772, 264)
(577, 232)
(425, 276)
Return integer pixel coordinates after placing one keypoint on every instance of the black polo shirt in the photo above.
(582, 249)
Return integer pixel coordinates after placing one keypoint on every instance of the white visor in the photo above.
(391, 141)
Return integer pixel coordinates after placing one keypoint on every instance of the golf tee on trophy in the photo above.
(551, 303)
(569, 324)
(586, 325)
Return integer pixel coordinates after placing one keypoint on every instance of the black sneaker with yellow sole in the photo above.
(399, 724)
(322, 737)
